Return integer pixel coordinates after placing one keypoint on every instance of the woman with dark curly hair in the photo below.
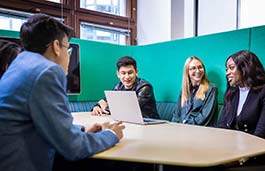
(244, 102)
(8, 52)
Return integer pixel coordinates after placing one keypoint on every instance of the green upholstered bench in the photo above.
(165, 109)
(82, 106)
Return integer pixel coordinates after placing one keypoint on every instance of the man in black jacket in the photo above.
(127, 73)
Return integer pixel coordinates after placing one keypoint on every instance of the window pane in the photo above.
(4, 23)
(57, 1)
(252, 13)
(11, 22)
(116, 7)
(16, 23)
(103, 34)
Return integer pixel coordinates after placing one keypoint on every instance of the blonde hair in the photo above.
(186, 82)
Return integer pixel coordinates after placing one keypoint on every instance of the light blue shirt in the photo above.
(35, 118)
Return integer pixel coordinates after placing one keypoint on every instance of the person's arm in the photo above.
(206, 112)
(51, 116)
(260, 128)
(100, 108)
(177, 112)
(145, 96)
(223, 118)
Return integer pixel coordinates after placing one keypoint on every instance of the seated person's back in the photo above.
(35, 117)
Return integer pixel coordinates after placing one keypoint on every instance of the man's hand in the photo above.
(98, 111)
(94, 128)
(116, 127)
(100, 108)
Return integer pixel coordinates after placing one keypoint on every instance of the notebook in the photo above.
(124, 106)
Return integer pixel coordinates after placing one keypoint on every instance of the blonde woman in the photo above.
(197, 103)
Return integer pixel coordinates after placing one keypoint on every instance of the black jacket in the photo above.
(145, 95)
(252, 116)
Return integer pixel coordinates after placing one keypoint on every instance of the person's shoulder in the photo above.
(259, 89)
(39, 65)
(35, 59)
(263, 90)
(212, 86)
(33, 64)
(49, 66)
(118, 86)
(144, 82)
(262, 87)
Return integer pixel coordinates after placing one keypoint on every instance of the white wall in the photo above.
(251, 13)
(182, 19)
(216, 16)
(154, 21)
(165, 20)
(177, 19)
(189, 18)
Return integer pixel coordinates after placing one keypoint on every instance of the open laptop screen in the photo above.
(124, 106)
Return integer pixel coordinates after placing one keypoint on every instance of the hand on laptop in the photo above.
(116, 127)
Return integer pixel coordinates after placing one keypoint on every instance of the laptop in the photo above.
(124, 106)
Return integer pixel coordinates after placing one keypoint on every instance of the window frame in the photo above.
(73, 15)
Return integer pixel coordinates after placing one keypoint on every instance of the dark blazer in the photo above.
(252, 116)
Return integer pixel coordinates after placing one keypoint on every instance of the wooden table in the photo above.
(178, 144)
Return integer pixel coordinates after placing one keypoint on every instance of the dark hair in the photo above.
(125, 61)
(251, 70)
(8, 52)
(40, 30)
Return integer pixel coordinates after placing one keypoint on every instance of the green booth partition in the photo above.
(161, 63)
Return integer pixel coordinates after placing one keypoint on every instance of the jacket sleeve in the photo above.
(260, 128)
(51, 117)
(206, 112)
(177, 112)
(223, 119)
(145, 96)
